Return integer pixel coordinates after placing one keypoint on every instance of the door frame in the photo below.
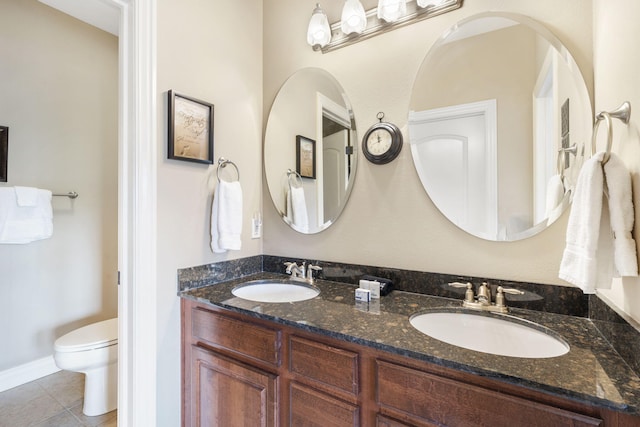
(137, 200)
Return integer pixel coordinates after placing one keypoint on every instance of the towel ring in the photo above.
(607, 118)
(295, 175)
(623, 113)
(222, 163)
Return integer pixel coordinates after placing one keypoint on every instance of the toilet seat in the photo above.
(90, 337)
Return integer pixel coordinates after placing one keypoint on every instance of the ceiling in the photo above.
(98, 13)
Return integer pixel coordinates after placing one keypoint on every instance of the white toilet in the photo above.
(93, 351)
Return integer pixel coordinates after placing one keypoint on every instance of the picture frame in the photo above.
(305, 157)
(4, 153)
(190, 129)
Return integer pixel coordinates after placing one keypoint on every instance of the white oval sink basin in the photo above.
(275, 291)
(504, 336)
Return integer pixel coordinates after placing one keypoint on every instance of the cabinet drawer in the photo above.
(330, 366)
(239, 337)
(312, 408)
(446, 402)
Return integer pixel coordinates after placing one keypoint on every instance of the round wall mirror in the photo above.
(499, 118)
(310, 150)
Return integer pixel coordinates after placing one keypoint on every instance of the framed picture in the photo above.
(190, 129)
(4, 152)
(305, 157)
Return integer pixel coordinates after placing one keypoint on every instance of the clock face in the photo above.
(379, 142)
(382, 143)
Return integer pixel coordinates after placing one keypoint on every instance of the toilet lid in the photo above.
(96, 335)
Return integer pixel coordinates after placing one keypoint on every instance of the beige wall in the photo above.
(617, 67)
(211, 50)
(59, 97)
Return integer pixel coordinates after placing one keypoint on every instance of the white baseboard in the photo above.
(28, 372)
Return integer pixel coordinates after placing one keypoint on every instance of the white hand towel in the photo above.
(618, 181)
(579, 262)
(226, 217)
(26, 196)
(299, 208)
(25, 224)
(555, 194)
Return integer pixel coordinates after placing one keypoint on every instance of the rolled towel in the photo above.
(618, 181)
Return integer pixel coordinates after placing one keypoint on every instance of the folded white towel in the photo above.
(26, 196)
(297, 208)
(618, 182)
(25, 224)
(226, 217)
(578, 265)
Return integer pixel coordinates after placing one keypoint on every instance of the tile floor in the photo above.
(52, 401)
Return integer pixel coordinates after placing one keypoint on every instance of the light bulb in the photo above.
(391, 10)
(354, 19)
(319, 32)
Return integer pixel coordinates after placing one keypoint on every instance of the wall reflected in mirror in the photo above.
(500, 115)
(311, 106)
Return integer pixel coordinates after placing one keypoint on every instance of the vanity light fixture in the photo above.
(391, 10)
(319, 32)
(354, 19)
(414, 10)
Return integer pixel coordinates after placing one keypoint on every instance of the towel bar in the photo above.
(70, 194)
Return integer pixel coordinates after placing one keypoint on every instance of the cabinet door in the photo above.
(312, 408)
(227, 393)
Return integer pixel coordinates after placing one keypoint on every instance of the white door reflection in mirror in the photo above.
(534, 79)
(454, 152)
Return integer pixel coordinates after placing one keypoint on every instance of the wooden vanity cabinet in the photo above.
(242, 371)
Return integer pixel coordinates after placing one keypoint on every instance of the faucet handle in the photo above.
(290, 266)
(458, 284)
(510, 291)
(500, 295)
(310, 269)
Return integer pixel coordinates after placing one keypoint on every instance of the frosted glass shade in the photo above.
(391, 10)
(354, 19)
(319, 32)
(425, 3)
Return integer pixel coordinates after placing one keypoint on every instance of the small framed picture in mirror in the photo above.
(190, 129)
(4, 152)
(305, 157)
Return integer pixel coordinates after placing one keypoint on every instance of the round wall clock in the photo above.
(382, 142)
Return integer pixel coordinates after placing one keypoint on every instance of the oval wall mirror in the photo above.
(310, 148)
(499, 118)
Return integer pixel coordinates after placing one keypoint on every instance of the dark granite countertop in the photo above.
(591, 372)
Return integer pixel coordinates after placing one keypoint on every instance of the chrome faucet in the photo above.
(483, 300)
(302, 273)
